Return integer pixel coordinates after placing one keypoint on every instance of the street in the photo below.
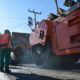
(23, 73)
(29, 72)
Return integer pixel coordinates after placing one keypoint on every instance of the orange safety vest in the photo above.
(0, 37)
(5, 40)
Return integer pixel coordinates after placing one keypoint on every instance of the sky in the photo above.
(14, 13)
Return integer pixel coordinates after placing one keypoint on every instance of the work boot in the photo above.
(8, 71)
(1, 70)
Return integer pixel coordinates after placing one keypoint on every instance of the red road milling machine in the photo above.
(55, 41)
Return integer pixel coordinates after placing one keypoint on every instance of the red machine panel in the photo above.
(68, 34)
(39, 34)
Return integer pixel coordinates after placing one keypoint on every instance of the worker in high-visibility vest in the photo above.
(0, 48)
(69, 3)
(78, 0)
(5, 51)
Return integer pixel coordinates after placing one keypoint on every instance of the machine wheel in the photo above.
(40, 53)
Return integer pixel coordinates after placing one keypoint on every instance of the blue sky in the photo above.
(14, 13)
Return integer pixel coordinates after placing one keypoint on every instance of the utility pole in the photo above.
(34, 12)
(57, 7)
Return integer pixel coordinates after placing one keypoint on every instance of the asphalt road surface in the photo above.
(30, 72)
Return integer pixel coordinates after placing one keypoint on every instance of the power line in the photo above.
(16, 26)
(9, 17)
(34, 12)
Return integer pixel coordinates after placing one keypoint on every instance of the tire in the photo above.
(40, 53)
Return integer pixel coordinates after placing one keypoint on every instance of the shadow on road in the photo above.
(15, 68)
(23, 76)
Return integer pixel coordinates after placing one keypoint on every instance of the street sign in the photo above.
(30, 21)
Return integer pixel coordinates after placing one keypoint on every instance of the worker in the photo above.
(78, 0)
(51, 16)
(69, 3)
(5, 51)
(0, 48)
